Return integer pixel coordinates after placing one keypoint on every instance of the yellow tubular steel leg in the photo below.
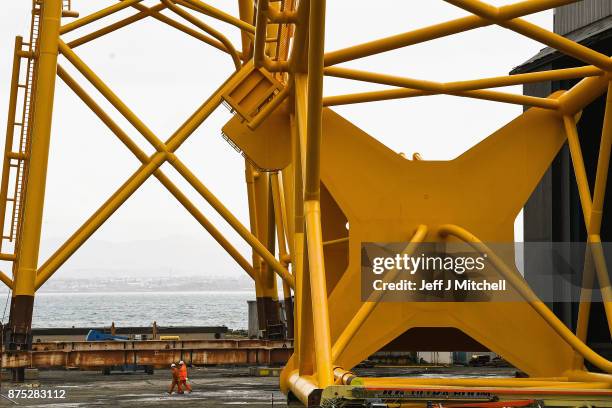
(41, 132)
(312, 209)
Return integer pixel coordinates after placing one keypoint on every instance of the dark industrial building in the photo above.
(553, 213)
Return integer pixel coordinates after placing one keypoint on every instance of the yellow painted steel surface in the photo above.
(321, 186)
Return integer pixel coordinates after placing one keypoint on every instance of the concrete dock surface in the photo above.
(212, 387)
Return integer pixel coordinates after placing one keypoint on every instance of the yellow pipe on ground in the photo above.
(475, 382)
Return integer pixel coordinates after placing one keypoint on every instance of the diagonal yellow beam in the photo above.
(518, 282)
(181, 27)
(388, 94)
(367, 307)
(469, 85)
(94, 222)
(6, 280)
(159, 174)
(603, 165)
(432, 32)
(578, 164)
(99, 84)
(136, 180)
(145, 12)
(232, 220)
(470, 88)
(592, 215)
(172, 144)
(205, 27)
(97, 15)
(218, 14)
(535, 32)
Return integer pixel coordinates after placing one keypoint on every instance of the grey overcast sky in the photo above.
(164, 75)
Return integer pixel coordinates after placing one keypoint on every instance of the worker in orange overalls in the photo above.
(183, 375)
(176, 379)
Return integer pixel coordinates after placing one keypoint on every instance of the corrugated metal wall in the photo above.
(577, 15)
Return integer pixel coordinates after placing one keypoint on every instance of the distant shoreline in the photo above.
(152, 292)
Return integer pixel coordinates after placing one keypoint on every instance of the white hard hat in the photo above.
(172, 365)
(181, 362)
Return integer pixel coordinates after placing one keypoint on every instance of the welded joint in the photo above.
(70, 14)
(274, 16)
(417, 84)
(484, 10)
(26, 54)
(208, 29)
(170, 157)
(285, 17)
(489, 12)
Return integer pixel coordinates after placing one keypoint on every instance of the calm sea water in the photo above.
(141, 309)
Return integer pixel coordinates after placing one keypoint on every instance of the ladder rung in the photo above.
(7, 257)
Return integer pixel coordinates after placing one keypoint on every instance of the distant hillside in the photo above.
(171, 256)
